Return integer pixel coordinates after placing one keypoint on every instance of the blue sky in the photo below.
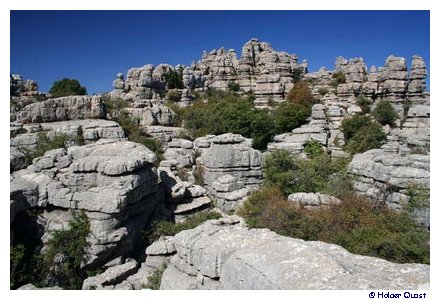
(92, 46)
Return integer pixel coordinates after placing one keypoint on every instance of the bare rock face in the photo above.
(230, 154)
(151, 113)
(114, 183)
(382, 174)
(62, 109)
(224, 254)
(417, 77)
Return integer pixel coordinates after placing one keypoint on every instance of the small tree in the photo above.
(364, 104)
(67, 87)
(233, 86)
(300, 94)
(385, 114)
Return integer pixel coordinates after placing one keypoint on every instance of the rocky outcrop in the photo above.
(224, 254)
(382, 174)
(229, 154)
(312, 200)
(149, 113)
(62, 109)
(115, 184)
(21, 87)
(417, 78)
(260, 69)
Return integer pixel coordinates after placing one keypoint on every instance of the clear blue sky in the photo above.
(92, 46)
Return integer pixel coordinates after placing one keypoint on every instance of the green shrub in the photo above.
(67, 87)
(364, 104)
(337, 79)
(113, 105)
(155, 279)
(301, 94)
(354, 223)
(16, 264)
(173, 79)
(313, 149)
(40, 97)
(418, 197)
(228, 112)
(297, 75)
(233, 86)
(362, 134)
(385, 114)
(291, 174)
(173, 96)
(288, 116)
(166, 228)
(323, 91)
(46, 143)
(71, 244)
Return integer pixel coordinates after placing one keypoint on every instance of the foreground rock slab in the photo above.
(224, 254)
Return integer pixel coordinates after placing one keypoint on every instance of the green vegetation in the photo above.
(155, 279)
(355, 224)
(69, 244)
(228, 112)
(320, 173)
(362, 134)
(297, 75)
(173, 79)
(173, 96)
(67, 87)
(233, 86)
(47, 142)
(385, 114)
(20, 130)
(39, 97)
(313, 149)
(364, 104)
(288, 116)
(60, 264)
(165, 228)
(337, 79)
(418, 197)
(223, 112)
(113, 105)
(323, 91)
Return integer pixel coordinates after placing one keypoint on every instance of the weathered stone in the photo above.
(235, 257)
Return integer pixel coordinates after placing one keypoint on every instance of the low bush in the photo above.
(166, 228)
(337, 79)
(174, 79)
(173, 96)
(301, 94)
(364, 104)
(313, 149)
(155, 279)
(354, 223)
(385, 114)
(233, 86)
(362, 134)
(323, 91)
(291, 174)
(47, 142)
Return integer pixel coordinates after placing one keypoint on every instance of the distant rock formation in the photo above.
(261, 70)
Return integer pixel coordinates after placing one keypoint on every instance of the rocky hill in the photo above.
(146, 185)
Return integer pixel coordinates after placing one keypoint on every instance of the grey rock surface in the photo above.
(224, 254)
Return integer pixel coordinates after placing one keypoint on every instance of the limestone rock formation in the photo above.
(114, 183)
(229, 154)
(62, 109)
(312, 200)
(260, 69)
(382, 174)
(224, 254)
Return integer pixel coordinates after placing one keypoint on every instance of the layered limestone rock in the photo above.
(383, 174)
(417, 78)
(260, 69)
(224, 254)
(183, 198)
(115, 184)
(355, 71)
(62, 109)
(229, 154)
(21, 87)
(312, 200)
(151, 113)
(393, 78)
